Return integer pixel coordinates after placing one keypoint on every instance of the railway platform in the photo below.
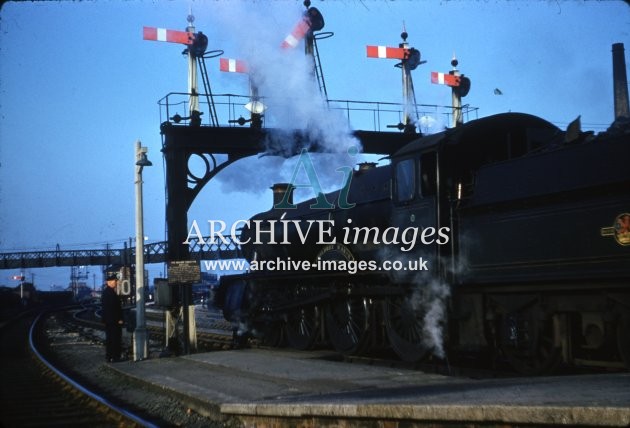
(276, 388)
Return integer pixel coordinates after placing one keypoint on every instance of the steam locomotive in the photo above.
(504, 237)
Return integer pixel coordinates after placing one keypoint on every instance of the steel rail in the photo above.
(83, 390)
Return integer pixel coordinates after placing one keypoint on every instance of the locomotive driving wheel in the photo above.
(404, 322)
(527, 342)
(347, 324)
(266, 325)
(347, 317)
(302, 327)
(303, 321)
(272, 335)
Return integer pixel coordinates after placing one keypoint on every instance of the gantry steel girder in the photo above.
(154, 252)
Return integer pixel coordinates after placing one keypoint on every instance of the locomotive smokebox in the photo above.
(279, 192)
(620, 82)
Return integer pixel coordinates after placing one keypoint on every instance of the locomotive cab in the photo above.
(434, 176)
(416, 205)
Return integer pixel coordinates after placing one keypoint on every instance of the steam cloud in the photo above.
(284, 77)
(433, 305)
(256, 175)
(429, 298)
(435, 295)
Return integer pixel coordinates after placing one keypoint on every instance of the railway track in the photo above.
(35, 393)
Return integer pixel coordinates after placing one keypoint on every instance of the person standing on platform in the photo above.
(113, 318)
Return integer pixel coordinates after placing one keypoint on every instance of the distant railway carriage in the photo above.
(524, 235)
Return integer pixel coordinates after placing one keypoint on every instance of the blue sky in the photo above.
(78, 87)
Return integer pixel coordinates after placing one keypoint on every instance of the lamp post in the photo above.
(140, 333)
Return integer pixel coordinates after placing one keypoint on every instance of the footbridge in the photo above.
(155, 252)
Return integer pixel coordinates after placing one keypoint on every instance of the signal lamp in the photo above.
(255, 107)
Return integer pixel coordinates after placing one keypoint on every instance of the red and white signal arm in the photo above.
(18, 277)
(386, 52)
(232, 65)
(298, 33)
(312, 20)
(444, 79)
(165, 35)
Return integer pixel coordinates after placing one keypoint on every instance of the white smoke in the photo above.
(436, 294)
(253, 175)
(435, 298)
(257, 174)
(285, 81)
(430, 296)
(429, 125)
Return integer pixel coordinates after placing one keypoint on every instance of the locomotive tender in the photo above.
(520, 250)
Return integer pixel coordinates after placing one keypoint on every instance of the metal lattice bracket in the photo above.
(210, 167)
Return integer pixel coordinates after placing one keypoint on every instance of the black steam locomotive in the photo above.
(505, 237)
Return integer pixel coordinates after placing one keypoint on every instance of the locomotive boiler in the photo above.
(504, 237)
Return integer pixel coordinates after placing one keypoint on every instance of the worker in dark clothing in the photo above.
(113, 318)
